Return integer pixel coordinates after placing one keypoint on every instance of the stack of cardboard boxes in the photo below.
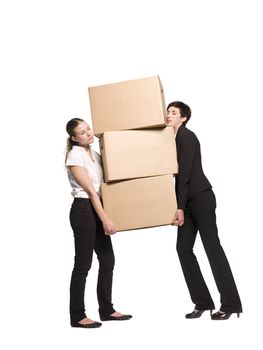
(138, 152)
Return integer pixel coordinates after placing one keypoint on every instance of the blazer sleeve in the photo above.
(188, 145)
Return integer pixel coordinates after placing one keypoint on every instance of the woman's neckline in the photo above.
(89, 152)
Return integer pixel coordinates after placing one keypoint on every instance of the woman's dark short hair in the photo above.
(185, 110)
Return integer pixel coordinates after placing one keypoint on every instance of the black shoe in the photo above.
(196, 314)
(222, 315)
(115, 318)
(89, 325)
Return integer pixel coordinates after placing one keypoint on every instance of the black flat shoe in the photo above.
(222, 315)
(115, 318)
(196, 314)
(89, 325)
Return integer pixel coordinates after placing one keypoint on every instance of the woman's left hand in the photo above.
(109, 227)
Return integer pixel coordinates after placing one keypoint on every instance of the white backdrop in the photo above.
(207, 54)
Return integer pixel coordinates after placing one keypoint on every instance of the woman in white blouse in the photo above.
(91, 226)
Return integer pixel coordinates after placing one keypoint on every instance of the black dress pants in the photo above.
(200, 216)
(89, 236)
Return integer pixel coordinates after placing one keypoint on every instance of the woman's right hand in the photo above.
(178, 219)
(109, 227)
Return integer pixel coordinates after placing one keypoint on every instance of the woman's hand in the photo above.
(82, 178)
(109, 227)
(178, 219)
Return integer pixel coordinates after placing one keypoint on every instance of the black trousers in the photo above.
(200, 216)
(89, 236)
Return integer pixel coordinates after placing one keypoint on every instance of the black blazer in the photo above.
(190, 179)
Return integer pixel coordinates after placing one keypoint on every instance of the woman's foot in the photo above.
(115, 316)
(221, 315)
(86, 323)
(86, 320)
(196, 314)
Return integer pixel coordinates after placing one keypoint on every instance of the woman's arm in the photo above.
(188, 147)
(83, 180)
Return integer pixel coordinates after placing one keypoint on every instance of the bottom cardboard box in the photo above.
(140, 203)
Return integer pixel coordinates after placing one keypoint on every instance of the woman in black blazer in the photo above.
(196, 212)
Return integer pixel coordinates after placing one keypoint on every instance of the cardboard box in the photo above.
(140, 203)
(138, 153)
(133, 104)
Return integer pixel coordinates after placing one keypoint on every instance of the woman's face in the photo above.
(83, 134)
(174, 117)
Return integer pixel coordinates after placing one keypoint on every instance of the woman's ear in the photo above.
(73, 138)
(183, 119)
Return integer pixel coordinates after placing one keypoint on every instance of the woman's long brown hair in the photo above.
(71, 125)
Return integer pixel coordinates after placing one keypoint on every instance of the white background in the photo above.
(207, 54)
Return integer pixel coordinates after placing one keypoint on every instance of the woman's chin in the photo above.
(90, 141)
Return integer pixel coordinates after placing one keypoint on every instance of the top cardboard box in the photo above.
(133, 104)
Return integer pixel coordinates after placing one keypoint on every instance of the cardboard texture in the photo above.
(132, 104)
(140, 203)
(138, 153)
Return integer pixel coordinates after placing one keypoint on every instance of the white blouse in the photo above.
(78, 156)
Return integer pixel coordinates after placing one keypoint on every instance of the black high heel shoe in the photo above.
(115, 318)
(222, 315)
(196, 314)
(88, 325)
